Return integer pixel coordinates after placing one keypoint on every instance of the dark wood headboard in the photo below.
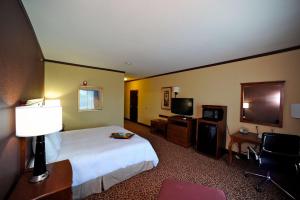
(25, 153)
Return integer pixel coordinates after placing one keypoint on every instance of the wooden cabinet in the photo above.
(211, 133)
(181, 130)
(159, 125)
(56, 186)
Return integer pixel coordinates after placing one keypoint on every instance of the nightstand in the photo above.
(57, 186)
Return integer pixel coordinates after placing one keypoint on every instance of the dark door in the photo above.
(133, 105)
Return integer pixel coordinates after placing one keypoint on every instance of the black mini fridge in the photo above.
(207, 138)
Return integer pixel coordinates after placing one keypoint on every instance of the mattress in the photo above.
(93, 153)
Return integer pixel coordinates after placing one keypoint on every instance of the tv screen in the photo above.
(182, 106)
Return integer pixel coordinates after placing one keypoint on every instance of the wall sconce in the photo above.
(84, 83)
(295, 111)
(176, 90)
(246, 105)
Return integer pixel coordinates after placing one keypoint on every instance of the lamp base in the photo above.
(41, 177)
(40, 172)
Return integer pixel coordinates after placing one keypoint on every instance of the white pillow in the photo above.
(50, 150)
(55, 138)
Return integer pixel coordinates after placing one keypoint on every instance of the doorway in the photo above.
(133, 105)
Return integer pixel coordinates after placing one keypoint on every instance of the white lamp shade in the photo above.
(52, 102)
(176, 89)
(295, 110)
(38, 120)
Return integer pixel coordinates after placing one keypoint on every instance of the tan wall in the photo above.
(220, 85)
(63, 81)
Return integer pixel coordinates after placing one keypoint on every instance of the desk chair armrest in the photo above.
(281, 154)
(297, 166)
(251, 150)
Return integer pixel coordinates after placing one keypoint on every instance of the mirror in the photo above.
(262, 103)
(90, 98)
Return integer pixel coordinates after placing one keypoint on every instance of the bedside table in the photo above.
(57, 186)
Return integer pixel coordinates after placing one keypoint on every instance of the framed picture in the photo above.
(166, 93)
(90, 98)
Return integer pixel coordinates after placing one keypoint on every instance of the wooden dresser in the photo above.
(159, 125)
(57, 186)
(181, 130)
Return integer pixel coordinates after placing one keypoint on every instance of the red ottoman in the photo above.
(177, 190)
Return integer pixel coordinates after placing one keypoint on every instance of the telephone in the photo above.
(243, 131)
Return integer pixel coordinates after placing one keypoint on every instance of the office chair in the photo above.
(277, 151)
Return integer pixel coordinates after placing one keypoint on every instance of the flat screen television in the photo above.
(182, 106)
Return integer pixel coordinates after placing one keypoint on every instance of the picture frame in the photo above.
(262, 103)
(166, 95)
(90, 98)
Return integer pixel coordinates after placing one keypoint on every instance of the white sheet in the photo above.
(93, 153)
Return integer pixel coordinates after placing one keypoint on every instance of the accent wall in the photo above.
(22, 78)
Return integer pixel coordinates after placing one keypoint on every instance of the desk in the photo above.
(241, 138)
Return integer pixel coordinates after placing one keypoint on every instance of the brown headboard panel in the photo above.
(25, 153)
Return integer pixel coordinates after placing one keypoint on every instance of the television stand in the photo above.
(181, 130)
(183, 117)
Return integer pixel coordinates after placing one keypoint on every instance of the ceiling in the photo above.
(146, 38)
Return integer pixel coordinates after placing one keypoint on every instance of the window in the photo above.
(89, 98)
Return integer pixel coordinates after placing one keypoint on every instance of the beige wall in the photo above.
(220, 85)
(63, 81)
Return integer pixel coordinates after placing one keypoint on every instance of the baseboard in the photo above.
(143, 124)
(140, 123)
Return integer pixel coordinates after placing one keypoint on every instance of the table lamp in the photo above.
(38, 121)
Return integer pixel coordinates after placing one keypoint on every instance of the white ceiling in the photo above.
(146, 38)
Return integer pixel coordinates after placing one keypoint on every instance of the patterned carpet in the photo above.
(185, 164)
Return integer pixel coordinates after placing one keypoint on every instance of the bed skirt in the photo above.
(103, 183)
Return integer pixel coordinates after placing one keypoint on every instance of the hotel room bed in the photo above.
(99, 161)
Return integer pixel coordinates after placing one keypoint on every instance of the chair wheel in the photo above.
(258, 189)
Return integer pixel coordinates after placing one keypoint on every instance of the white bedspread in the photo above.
(93, 153)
